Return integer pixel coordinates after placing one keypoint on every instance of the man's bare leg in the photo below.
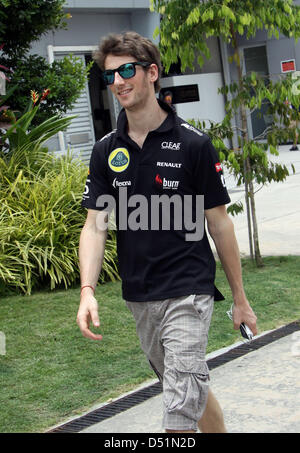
(212, 420)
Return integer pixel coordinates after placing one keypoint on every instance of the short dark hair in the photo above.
(129, 43)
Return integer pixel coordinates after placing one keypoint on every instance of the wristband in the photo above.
(87, 286)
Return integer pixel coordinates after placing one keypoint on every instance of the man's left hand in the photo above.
(244, 313)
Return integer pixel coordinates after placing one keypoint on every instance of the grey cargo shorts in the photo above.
(173, 334)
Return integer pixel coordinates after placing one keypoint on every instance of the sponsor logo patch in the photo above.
(191, 128)
(118, 160)
(218, 167)
(117, 183)
(168, 164)
(158, 180)
(171, 145)
(163, 183)
(86, 189)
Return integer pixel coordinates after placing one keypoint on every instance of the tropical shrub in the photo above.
(41, 220)
(22, 23)
(65, 78)
(40, 213)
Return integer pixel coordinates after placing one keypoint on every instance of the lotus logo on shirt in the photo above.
(118, 160)
(163, 183)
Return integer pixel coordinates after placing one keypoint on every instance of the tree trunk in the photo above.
(248, 212)
(249, 192)
(258, 258)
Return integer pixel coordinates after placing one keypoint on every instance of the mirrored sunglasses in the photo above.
(126, 71)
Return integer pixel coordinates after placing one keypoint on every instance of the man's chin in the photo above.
(129, 105)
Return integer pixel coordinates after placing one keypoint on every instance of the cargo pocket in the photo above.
(191, 386)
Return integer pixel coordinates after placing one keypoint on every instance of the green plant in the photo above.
(18, 134)
(23, 22)
(40, 213)
(41, 220)
(65, 78)
(7, 116)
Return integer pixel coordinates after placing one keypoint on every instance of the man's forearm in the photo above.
(91, 254)
(228, 252)
(221, 229)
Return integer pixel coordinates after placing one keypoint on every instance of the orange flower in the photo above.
(45, 94)
(34, 96)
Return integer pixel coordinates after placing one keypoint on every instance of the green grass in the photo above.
(51, 372)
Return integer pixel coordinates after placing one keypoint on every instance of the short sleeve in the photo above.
(96, 182)
(208, 176)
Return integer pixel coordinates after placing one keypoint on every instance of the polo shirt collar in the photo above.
(166, 125)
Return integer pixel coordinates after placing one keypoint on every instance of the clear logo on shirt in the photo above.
(171, 145)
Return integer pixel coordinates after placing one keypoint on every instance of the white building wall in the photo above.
(211, 105)
(84, 29)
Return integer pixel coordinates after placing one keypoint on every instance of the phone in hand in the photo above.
(246, 332)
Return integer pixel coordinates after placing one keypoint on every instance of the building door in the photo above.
(99, 101)
(255, 59)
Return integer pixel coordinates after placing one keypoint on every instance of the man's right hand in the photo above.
(88, 312)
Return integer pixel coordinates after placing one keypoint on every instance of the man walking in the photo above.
(167, 275)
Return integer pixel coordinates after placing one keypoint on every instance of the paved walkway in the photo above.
(259, 392)
(278, 210)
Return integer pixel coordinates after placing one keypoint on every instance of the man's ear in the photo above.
(153, 72)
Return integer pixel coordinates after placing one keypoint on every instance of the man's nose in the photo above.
(118, 79)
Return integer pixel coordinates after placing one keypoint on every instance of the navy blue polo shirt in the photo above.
(156, 261)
